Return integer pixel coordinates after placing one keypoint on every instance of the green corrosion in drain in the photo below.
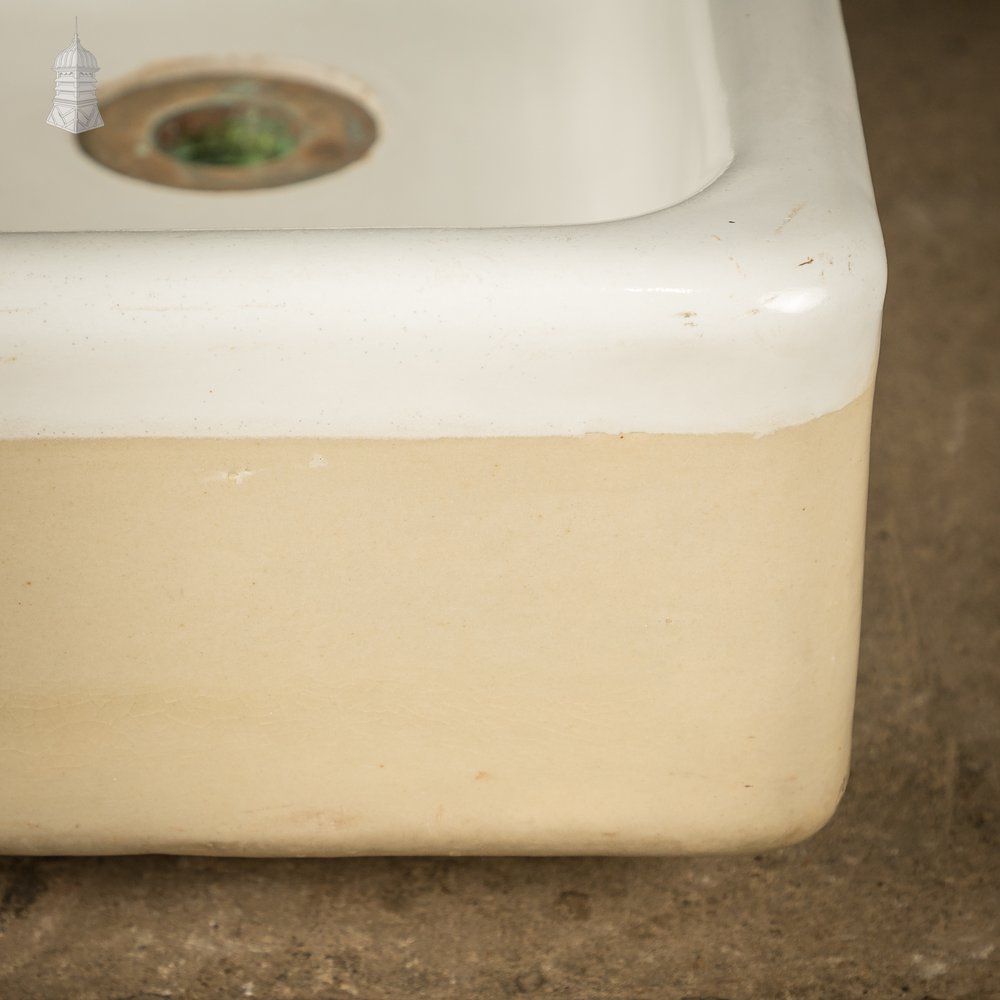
(226, 137)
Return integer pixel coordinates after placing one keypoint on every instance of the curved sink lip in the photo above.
(750, 306)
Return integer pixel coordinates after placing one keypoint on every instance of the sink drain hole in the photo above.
(233, 135)
(212, 127)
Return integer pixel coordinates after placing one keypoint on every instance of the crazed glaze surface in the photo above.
(589, 645)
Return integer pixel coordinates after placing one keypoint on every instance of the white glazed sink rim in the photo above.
(752, 306)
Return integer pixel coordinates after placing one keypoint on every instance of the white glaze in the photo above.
(533, 114)
(751, 306)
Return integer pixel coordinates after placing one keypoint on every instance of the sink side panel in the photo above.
(599, 644)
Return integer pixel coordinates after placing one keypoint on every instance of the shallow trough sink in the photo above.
(433, 427)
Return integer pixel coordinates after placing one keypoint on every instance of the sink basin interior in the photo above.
(487, 114)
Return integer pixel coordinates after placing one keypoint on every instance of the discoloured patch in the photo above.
(959, 422)
(25, 886)
(530, 982)
(794, 211)
(575, 904)
(239, 477)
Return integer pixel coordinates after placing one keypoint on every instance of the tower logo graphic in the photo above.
(75, 106)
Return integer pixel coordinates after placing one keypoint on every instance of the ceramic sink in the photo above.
(481, 468)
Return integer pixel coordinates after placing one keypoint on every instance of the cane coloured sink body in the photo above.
(494, 485)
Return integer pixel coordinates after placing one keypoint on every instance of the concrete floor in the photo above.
(898, 897)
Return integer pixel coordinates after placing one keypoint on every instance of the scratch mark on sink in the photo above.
(788, 218)
(224, 475)
(161, 309)
(245, 305)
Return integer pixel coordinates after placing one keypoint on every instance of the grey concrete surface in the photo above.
(898, 897)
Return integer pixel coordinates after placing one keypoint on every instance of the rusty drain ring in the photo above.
(326, 127)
